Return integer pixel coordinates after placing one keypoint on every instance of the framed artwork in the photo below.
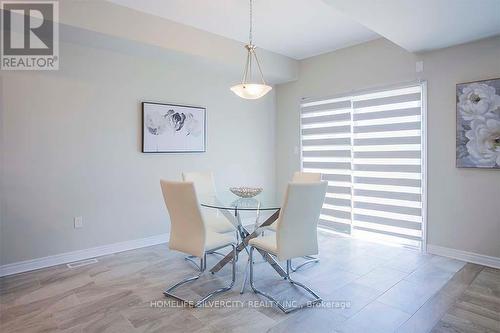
(171, 128)
(478, 124)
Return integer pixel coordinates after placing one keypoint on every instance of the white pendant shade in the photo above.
(246, 89)
(251, 90)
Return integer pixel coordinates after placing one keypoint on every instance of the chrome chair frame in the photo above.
(309, 260)
(317, 299)
(192, 259)
(202, 268)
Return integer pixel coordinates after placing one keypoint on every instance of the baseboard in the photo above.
(64, 258)
(472, 257)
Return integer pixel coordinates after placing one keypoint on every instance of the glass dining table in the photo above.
(232, 208)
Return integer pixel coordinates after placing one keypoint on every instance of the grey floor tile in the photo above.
(376, 317)
(432, 276)
(381, 278)
(356, 296)
(407, 296)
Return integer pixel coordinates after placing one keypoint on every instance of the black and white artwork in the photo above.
(170, 128)
(478, 124)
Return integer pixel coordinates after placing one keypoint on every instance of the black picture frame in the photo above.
(170, 106)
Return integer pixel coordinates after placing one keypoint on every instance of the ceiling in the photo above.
(295, 28)
(422, 25)
(303, 28)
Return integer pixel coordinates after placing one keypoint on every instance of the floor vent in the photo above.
(86, 262)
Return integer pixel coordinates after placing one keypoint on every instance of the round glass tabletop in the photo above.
(227, 200)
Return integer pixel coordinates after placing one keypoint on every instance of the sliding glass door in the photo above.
(370, 148)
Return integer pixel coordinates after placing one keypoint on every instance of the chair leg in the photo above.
(237, 242)
(245, 276)
(309, 260)
(192, 260)
(316, 298)
(203, 266)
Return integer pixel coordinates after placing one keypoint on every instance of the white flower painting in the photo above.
(478, 124)
(169, 128)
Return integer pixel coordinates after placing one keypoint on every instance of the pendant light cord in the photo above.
(250, 35)
(247, 73)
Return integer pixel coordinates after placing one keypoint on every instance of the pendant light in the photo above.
(248, 89)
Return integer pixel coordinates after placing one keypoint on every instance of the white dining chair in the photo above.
(296, 233)
(190, 235)
(301, 177)
(204, 184)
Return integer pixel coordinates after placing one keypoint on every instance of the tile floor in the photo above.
(367, 287)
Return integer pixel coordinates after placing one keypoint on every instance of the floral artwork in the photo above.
(169, 128)
(478, 124)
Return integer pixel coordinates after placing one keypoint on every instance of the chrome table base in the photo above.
(246, 236)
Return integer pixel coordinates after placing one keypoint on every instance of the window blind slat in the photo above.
(393, 202)
(387, 100)
(342, 208)
(321, 130)
(336, 213)
(387, 107)
(327, 165)
(387, 141)
(392, 230)
(334, 219)
(388, 195)
(388, 221)
(388, 181)
(387, 114)
(387, 127)
(336, 226)
(325, 116)
(338, 190)
(389, 208)
(387, 168)
(327, 142)
(418, 238)
(382, 153)
(339, 178)
(385, 188)
(384, 174)
(306, 108)
(338, 202)
(327, 153)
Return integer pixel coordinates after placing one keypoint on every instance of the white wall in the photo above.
(71, 142)
(463, 204)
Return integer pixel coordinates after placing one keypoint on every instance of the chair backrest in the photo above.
(296, 232)
(187, 228)
(204, 182)
(306, 177)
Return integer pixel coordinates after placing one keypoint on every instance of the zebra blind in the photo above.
(369, 148)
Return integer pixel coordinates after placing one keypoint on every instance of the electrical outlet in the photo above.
(78, 222)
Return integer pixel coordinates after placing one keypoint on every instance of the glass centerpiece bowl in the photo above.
(245, 191)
